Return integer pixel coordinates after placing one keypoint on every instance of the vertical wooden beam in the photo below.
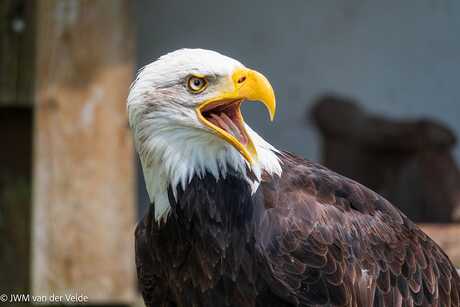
(83, 216)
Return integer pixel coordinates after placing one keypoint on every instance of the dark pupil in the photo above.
(197, 82)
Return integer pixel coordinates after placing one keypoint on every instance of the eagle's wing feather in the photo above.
(148, 268)
(329, 240)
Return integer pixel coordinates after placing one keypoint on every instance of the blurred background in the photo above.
(368, 89)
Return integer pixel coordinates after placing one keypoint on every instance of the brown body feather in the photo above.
(308, 238)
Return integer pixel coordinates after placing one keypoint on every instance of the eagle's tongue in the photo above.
(223, 121)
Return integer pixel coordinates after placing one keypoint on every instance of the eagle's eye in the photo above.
(197, 84)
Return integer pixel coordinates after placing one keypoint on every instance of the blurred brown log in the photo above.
(448, 237)
(83, 216)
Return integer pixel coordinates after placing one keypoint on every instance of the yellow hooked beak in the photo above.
(223, 115)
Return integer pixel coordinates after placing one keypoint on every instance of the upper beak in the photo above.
(252, 85)
(247, 84)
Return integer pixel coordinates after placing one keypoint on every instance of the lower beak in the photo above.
(223, 115)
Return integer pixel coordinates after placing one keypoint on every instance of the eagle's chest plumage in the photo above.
(207, 250)
(308, 238)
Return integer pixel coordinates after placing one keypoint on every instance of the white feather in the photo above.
(173, 145)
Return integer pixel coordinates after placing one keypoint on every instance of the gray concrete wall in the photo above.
(401, 58)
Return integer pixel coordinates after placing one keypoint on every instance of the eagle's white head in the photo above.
(184, 110)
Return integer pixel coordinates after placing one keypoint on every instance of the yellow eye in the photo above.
(197, 84)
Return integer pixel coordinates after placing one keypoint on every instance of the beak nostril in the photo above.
(242, 79)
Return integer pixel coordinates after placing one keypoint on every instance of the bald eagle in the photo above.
(237, 222)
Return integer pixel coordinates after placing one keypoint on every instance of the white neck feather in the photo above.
(174, 155)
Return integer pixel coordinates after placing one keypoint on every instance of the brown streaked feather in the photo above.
(309, 238)
(358, 231)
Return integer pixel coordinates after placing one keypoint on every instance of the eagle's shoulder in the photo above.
(305, 185)
(329, 239)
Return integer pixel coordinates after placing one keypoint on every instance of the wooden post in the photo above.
(83, 217)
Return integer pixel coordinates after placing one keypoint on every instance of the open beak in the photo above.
(223, 115)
